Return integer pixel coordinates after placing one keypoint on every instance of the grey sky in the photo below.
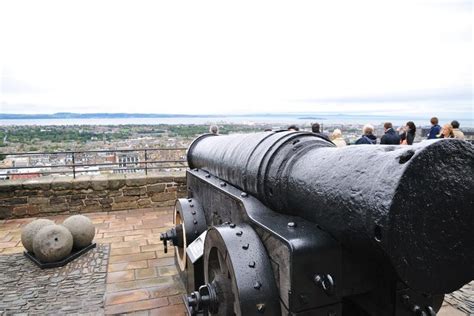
(211, 57)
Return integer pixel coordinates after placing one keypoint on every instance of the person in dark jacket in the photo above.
(315, 128)
(408, 135)
(435, 128)
(390, 137)
(368, 137)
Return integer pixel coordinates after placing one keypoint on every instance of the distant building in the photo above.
(127, 163)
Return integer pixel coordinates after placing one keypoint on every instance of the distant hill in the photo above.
(67, 115)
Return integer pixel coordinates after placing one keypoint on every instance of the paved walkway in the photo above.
(141, 279)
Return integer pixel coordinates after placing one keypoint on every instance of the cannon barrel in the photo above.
(410, 206)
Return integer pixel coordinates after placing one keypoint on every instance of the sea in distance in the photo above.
(245, 119)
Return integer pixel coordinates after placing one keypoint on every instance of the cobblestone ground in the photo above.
(75, 287)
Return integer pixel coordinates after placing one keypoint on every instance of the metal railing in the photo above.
(76, 162)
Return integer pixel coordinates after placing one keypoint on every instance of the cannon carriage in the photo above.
(284, 223)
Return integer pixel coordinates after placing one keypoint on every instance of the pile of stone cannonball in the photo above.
(51, 243)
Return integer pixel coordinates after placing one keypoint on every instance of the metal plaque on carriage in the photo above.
(195, 250)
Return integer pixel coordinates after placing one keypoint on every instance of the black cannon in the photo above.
(285, 223)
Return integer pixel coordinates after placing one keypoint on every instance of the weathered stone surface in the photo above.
(6, 212)
(135, 182)
(165, 196)
(124, 206)
(82, 230)
(99, 185)
(15, 201)
(25, 210)
(68, 196)
(52, 243)
(38, 200)
(57, 200)
(121, 199)
(77, 288)
(134, 191)
(29, 232)
(159, 187)
(61, 184)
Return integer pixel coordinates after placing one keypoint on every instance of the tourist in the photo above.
(368, 137)
(337, 138)
(390, 137)
(293, 128)
(435, 128)
(446, 131)
(456, 131)
(408, 135)
(213, 129)
(315, 128)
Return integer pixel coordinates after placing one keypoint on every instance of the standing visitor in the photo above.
(293, 128)
(390, 137)
(337, 138)
(408, 135)
(315, 128)
(368, 137)
(435, 128)
(213, 129)
(456, 131)
(446, 131)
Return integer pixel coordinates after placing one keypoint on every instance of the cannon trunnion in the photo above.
(285, 224)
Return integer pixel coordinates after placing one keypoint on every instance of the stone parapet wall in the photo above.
(61, 195)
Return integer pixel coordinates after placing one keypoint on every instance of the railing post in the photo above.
(73, 166)
(146, 163)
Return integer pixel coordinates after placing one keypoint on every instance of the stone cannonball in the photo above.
(52, 243)
(29, 231)
(82, 230)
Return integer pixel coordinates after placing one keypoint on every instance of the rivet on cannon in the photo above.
(239, 233)
(252, 264)
(232, 225)
(208, 175)
(260, 308)
(193, 212)
(195, 222)
(190, 200)
(257, 285)
(292, 224)
(245, 247)
(243, 194)
(223, 184)
(191, 205)
(196, 169)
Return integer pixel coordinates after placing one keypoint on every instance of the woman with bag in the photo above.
(408, 136)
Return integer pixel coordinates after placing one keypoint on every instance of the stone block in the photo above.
(115, 184)
(76, 202)
(23, 210)
(182, 188)
(158, 187)
(81, 184)
(180, 180)
(35, 184)
(54, 200)
(7, 187)
(15, 201)
(91, 209)
(4, 195)
(5, 212)
(134, 191)
(124, 206)
(136, 182)
(97, 194)
(63, 192)
(164, 203)
(61, 184)
(121, 199)
(172, 189)
(38, 200)
(144, 203)
(22, 192)
(159, 179)
(105, 201)
(99, 185)
(164, 196)
(91, 203)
